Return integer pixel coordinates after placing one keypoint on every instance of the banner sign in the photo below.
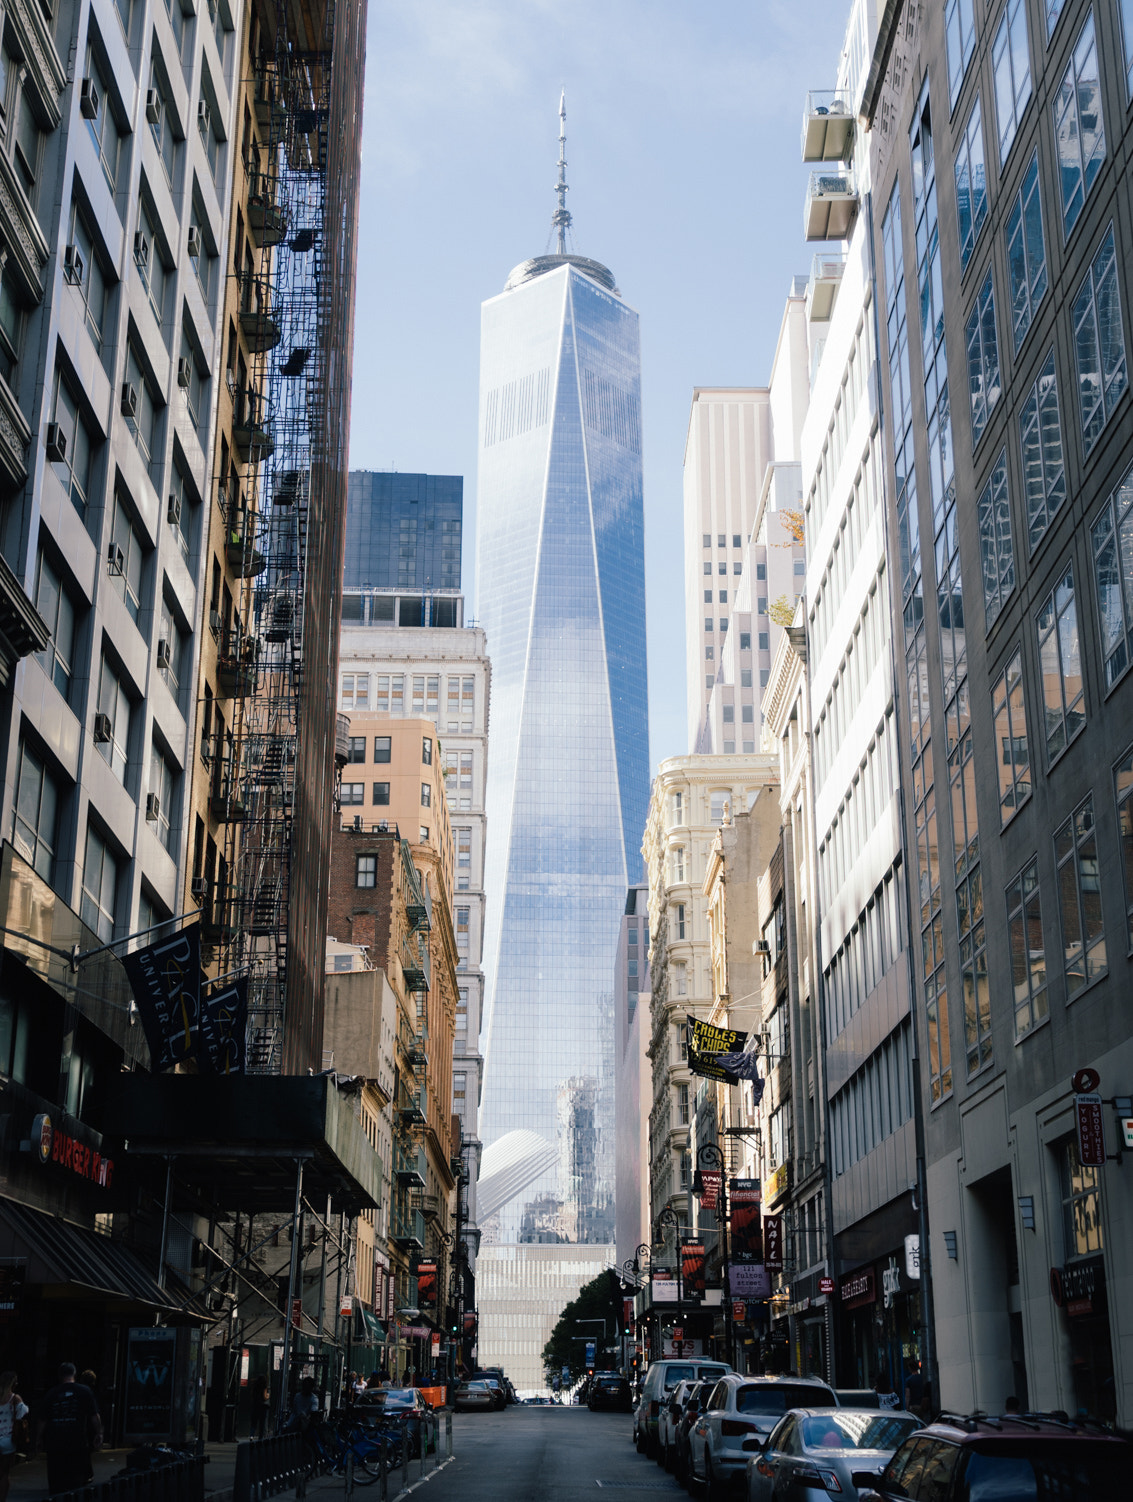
(427, 1285)
(166, 981)
(749, 1280)
(710, 1180)
(747, 1232)
(773, 1243)
(705, 1042)
(1091, 1133)
(224, 1024)
(664, 1286)
(859, 1289)
(693, 1271)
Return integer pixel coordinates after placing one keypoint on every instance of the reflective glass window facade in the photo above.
(403, 531)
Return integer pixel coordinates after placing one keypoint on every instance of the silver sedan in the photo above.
(822, 1448)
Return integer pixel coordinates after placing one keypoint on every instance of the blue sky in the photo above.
(683, 150)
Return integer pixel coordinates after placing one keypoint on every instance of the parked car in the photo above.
(659, 1381)
(737, 1418)
(400, 1403)
(672, 1411)
(1013, 1458)
(815, 1448)
(697, 1394)
(609, 1390)
(495, 1387)
(474, 1396)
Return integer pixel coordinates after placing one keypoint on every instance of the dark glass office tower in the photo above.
(403, 531)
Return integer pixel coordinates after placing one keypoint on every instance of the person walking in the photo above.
(260, 1400)
(13, 1429)
(886, 1396)
(69, 1428)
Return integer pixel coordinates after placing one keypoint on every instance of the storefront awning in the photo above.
(75, 1262)
(373, 1331)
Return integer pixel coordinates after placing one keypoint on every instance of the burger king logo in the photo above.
(42, 1136)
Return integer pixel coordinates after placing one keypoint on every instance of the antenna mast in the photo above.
(560, 219)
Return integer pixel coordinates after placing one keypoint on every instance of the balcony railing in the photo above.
(828, 126)
(831, 206)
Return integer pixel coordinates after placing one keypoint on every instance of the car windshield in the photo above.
(777, 1397)
(675, 1374)
(400, 1396)
(841, 1430)
(1073, 1470)
(710, 1372)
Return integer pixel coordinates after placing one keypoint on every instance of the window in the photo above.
(1028, 957)
(709, 653)
(1061, 667)
(162, 787)
(708, 626)
(1112, 536)
(677, 863)
(708, 597)
(679, 921)
(764, 641)
(721, 568)
(424, 834)
(707, 539)
(459, 1091)
(682, 1105)
(745, 641)
(126, 559)
(1053, 11)
(381, 793)
(723, 597)
(717, 802)
(995, 541)
(960, 29)
(35, 813)
(745, 677)
(55, 606)
(462, 915)
(722, 540)
(1079, 898)
(365, 871)
(983, 359)
(426, 795)
(196, 391)
(1040, 433)
(74, 469)
(462, 1010)
(104, 127)
(1127, 38)
(100, 886)
(91, 285)
(114, 702)
(356, 749)
(678, 809)
(154, 269)
(145, 423)
(427, 751)
(205, 257)
(382, 748)
(737, 540)
(419, 695)
(1081, 1203)
(169, 632)
(761, 571)
(723, 623)
(351, 793)
(1099, 342)
(707, 567)
(209, 124)
(971, 184)
(1011, 738)
(737, 568)
(748, 714)
(680, 978)
(1011, 64)
(181, 491)
(161, 126)
(467, 703)
(1026, 255)
(355, 691)
(1123, 792)
(1079, 130)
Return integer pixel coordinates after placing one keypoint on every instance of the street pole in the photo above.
(709, 1156)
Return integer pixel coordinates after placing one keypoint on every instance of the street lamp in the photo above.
(709, 1156)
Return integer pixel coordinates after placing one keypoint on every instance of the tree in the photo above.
(601, 1298)
(781, 611)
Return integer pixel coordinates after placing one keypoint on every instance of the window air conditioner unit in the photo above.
(184, 371)
(153, 808)
(194, 246)
(73, 267)
(153, 107)
(173, 511)
(198, 888)
(103, 730)
(129, 399)
(164, 654)
(56, 443)
(141, 250)
(204, 117)
(115, 560)
(88, 99)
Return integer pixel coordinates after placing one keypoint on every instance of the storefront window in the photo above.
(1081, 1217)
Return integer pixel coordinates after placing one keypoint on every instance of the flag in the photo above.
(166, 981)
(706, 1046)
(223, 1025)
(745, 1066)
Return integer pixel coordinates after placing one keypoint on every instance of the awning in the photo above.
(373, 1331)
(75, 1262)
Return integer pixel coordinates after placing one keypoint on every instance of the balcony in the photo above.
(828, 126)
(831, 206)
(251, 427)
(237, 666)
(410, 1169)
(418, 1053)
(227, 802)
(266, 218)
(822, 290)
(259, 319)
(428, 1205)
(408, 1231)
(244, 558)
(412, 1109)
(415, 966)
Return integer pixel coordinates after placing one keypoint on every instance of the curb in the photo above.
(422, 1480)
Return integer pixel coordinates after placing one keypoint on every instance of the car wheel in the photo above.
(667, 1456)
(639, 1441)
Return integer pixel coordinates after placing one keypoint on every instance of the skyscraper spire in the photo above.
(560, 219)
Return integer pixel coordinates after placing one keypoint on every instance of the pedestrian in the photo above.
(914, 1389)
(259, 1402)
(14, 1437)
(69, 1428)
(886, 1397)
(1011, 1404)
(304, 1412)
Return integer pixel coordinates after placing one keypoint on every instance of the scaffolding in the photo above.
(271, 787)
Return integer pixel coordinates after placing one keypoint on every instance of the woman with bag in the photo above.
(14, 1437)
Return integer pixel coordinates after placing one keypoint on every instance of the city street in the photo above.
(553, 1454)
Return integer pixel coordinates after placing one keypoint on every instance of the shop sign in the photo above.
(12, 1278)
(1091, 1134)
(1073, 1287)
(859, 1289)
(664, 1286)
(710, 1180)
(739, 1311)
(427, 1284)
(50, 1144)
(776, 1184)
(681, 1348)
(913, 1256)
(747, 1235)
(1127, 1130)
(749, 1280)
(773, 1243)
(346, 1307)
(826, 1285)
(890, 1282)
(415, 1332)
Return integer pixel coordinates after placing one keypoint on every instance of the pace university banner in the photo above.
(224, 1022)
(166, 982)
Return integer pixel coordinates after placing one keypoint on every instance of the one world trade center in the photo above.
(561, 585)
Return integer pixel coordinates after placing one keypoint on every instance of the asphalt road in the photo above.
(547, 1455)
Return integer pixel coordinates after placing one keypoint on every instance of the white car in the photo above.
(736, 1420)
(669, 1417)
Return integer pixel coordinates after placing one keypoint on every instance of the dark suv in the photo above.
(1027, 1457)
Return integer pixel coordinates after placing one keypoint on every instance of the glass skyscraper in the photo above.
(561, 581)
(403, 531)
